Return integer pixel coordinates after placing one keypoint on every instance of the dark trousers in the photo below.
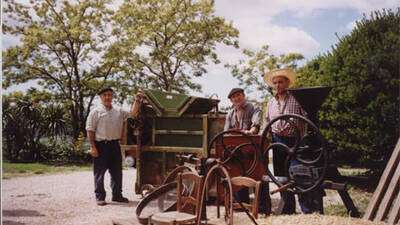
(309, 202)
(242, 195)
(265, 201)
(109, 159)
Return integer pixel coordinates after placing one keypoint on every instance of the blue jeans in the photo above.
(309, 202)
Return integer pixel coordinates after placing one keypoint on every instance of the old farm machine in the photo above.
(182, 130)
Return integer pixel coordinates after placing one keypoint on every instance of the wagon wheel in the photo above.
(174, 173)
(309, 153)
(234, 153)
(224, 180)
(151, 203)
(161, 199)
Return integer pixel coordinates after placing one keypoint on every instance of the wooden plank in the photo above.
(165, 149)
(390, 194)
(186, 106)
(394, 215)
(348, 202)
(164, 166)
(383, 183)
(139, 172)
(334, 186)
(344, 195)
(180, 132)
(153, 132)
(205, 135)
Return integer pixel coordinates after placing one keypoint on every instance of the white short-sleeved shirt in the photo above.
(107, 124)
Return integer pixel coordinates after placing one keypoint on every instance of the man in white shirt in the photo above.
(104, 127)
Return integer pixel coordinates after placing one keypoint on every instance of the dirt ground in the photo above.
(69, 199)
(63, 199)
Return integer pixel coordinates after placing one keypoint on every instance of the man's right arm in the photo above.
(91, 125)
(92, 137)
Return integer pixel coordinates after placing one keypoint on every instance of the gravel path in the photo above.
(64, 199)
(69, 199)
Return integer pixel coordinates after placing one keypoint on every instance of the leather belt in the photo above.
(107, 141)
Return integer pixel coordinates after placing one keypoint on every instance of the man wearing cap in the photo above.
(104, 128)
(243, 115)
(283, 132)
(247, 118)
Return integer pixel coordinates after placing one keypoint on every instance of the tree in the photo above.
(250, 71)
(176, 39)
(66, 47)
(362, 113)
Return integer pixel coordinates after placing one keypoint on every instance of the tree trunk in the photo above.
(75, 123)
(82, 119)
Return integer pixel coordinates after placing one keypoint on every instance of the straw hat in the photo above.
(288, 73)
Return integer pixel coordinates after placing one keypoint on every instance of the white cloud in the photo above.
(305, 7)
(253, 18)
(291, 39)
(280, 39)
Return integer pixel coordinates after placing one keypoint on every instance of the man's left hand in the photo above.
(248, 132)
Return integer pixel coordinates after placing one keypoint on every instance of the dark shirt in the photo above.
(250, 117)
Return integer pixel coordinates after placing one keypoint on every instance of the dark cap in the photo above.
(104, 90)
(235, 90)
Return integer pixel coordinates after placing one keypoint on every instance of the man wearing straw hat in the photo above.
(283, 132)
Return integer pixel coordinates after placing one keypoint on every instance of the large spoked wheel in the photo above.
(236, 153)
(306, 160)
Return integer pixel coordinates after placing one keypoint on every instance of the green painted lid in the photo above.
(174, 105)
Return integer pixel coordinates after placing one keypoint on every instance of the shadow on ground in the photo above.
(9, 222)
(21, 213)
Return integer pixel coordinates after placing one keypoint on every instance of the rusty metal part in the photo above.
(233, 153)
(188, 158)
(282, 188)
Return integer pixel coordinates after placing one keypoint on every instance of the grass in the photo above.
(360, 198)
(360, 192)
(348, 171)
(11, 170)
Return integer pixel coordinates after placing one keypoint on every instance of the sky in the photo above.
(308, 27)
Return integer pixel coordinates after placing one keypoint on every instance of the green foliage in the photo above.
(67, 150)
(74, 48)
(26, 120)
(363, 111)
(175, 39)
(66, 47)
(250, 71)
